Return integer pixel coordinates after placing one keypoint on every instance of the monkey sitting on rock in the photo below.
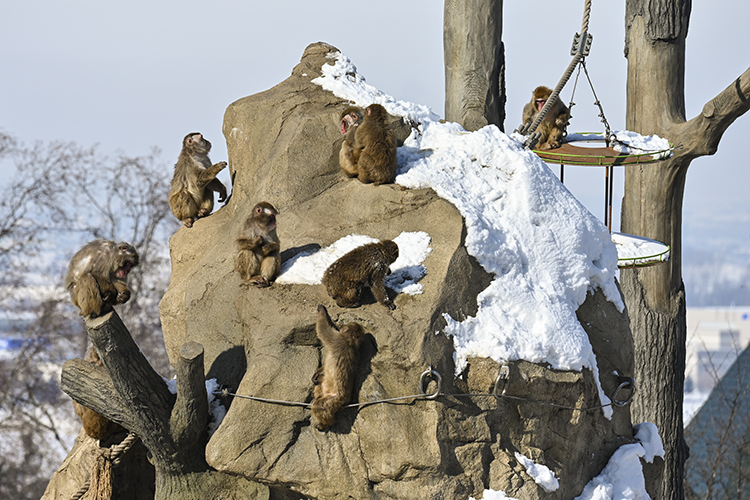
(553, 126)
(369, 148)
(364, 267)
(97, 276)
(258, 258)
(334, 381)
(191, 195)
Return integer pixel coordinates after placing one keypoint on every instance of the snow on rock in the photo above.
(493, 495)
(540, 473)
(545, 250)
(307, 268)
(622, 478)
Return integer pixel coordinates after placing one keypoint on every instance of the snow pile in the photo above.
(544, 248)
(540, 473)
(307, 268)
(493, 495)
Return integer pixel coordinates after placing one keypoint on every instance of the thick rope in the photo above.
(115, 457)
(578, 57)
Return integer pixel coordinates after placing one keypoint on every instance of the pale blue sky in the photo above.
(141, 74)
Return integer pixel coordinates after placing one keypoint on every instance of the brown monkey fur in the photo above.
(369, 148)
(553, 127)
(97, 276)
(194, 181)
(365, 266)
(334, 381)
(95, 425)
(258, 259)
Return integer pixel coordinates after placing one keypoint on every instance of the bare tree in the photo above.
(652, 207)
(61, 196)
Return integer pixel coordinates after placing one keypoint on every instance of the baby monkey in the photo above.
(258, 258)
(334, 381)
(97, 276)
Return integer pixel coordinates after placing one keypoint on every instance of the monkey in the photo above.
(369, 148)
(95, 425)
(555, 122)
(350, 119)
(365, 266)
(258, 259)
(334, 381)
(191, 195)
(97, 276)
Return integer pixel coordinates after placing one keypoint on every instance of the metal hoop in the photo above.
(627, 384)
(503, 377)
(424, 382)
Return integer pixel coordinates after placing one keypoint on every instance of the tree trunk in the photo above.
(474, 63)
(128, 391)
(652, 207)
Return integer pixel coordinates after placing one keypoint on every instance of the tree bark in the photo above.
(474, 63)
(128, 391)
(652, 207)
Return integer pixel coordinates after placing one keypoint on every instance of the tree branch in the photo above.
(89, 384)
(701, 135)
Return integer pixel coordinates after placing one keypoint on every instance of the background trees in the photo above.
(61, 196)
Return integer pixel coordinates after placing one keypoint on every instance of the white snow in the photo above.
(307, 268)
(622, 478)
(639, 251)
(540, 473)
(494, 495)
(627, 142)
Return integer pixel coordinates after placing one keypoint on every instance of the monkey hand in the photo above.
(390, 305)
(222, 165)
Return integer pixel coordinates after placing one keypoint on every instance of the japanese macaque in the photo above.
(194, 181)
(369, 148)
(258, 258)
(97, 276)
(554, 123)
(334, 380)
(95, 425)
(364, 267)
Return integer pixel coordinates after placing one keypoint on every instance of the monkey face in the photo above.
(127, 258)
(540, 103)
(350, 117)
(266, 211)
(196, 143)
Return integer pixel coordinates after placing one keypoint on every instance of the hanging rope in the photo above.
(101, 474)
(499, 392)
(580, 49)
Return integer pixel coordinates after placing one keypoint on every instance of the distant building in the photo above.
(719, 439)
(716, 336)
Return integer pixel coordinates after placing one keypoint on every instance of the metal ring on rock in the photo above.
(627, 384)
(423, 382)
(503, 377)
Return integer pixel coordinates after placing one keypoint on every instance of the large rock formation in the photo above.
(283, 148)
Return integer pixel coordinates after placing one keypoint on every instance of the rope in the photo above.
(115, 457)
(580, 54)
(430, 373)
